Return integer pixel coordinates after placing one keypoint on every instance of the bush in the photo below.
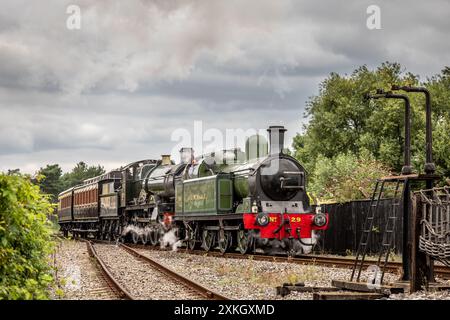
(25, 239)
(345, 177)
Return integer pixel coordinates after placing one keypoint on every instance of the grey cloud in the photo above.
(115, 90)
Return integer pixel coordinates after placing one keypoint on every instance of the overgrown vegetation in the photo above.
(25, 239)
(346, 176)
(349, 141)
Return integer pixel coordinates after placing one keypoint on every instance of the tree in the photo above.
(13, 171)
(50, 182)
(25, 239)
(439, 87)
(79, 173)
(343, 122)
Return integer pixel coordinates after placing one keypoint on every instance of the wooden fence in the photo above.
(346, 224)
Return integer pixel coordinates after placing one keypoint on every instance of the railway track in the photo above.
(393, 266)
(112, 284)
(190, 288)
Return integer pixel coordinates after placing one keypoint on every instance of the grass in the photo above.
(232, 274)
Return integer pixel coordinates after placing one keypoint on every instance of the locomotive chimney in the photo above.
(276, 139)
(165, 159)
(186, 155)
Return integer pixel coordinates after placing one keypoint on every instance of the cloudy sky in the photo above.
(137, 72)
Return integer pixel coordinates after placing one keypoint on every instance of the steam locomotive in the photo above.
(230, 200)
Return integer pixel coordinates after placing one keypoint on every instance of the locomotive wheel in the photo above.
(116, 230)
(207, 240)
(101, 234)
(244, 241)
(135, 237)
(144, 237)
(225, 240)
(154, 237)
(192, 239)
(108, 230)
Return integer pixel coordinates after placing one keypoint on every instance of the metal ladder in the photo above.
(389, 230)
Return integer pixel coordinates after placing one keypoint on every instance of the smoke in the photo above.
(170, 239)
(275, 246)
(306, 249)
(129, 228)
(136, 230)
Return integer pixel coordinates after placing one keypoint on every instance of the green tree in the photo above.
(50, 182)
(25, 239)
(343, 122)
(439, 87)
(13, 171)
(79, 173)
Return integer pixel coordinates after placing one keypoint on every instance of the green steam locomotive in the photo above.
(230, 200)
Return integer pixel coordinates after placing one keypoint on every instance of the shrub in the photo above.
(345, 177)
(25, 239)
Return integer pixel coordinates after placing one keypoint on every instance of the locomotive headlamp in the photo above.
(262, 219)
(254, 208)
(320, 219)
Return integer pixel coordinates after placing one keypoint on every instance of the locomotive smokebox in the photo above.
(186, 155)
(276, 139)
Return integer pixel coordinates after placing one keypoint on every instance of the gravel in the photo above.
(250, 279)
(139, 278)
(235, 278)
(77, 274)
(422, 295)
(246, 278)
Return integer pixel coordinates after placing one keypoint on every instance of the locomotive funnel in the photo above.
(276, 139)
(186, 155)
(165, 159)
